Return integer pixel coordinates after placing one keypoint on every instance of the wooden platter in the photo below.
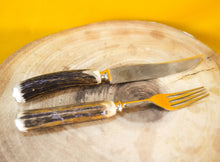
(147, 134)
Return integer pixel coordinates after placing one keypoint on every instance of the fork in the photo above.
(48, 117)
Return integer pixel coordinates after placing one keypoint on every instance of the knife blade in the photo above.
(43, 84)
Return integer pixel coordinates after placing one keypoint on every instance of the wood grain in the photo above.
(146, 134)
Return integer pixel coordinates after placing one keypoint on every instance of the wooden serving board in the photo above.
(149, 134)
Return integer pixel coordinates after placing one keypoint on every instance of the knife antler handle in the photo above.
(48, 117)
(37, 86)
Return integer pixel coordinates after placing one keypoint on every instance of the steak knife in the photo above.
(43, 84)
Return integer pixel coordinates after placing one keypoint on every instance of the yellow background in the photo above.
(23, 21)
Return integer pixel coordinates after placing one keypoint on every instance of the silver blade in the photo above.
(151, 71)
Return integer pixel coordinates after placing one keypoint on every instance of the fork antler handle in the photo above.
(48, 117)
(37, 86)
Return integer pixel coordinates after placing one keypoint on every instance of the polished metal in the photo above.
(151, 71)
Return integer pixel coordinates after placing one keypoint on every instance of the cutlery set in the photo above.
(47, 117)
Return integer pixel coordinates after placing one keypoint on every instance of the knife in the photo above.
(43, 84)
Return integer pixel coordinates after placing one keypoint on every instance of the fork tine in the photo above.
(184, 99)
(186, 103)
(188, 94)
(183, 92)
